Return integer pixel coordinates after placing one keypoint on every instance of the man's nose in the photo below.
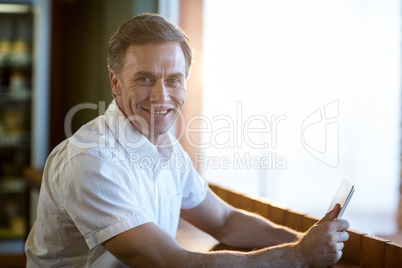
(159, 92)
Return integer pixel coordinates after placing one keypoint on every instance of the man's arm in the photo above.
(237, 228)
(149, 246)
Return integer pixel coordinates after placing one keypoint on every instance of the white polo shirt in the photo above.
(106, 179)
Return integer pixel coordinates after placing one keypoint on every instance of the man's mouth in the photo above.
(158, 112)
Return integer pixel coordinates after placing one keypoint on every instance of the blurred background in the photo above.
(308, 91)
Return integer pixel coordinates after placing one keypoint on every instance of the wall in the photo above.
(191, 13)
(80, 36)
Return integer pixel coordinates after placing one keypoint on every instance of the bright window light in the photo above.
(298, 94)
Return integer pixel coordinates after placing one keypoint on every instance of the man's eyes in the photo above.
(144, 81)
(173, 81)
(147, 81)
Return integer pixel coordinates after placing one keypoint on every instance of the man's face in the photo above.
(151, 87)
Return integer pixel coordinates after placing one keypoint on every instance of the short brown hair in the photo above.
(146, 29)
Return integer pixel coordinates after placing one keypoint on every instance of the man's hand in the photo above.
(322, 244)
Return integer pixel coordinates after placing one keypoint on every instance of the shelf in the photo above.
(23, 67)
(14, 140)
(12, 185)
(9, 233)
(7, 96)
(15, 8)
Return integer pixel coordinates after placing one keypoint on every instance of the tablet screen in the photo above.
(342, 196)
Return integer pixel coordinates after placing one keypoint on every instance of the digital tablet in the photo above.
(343, 196)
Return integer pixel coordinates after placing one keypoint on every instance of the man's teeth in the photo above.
(158, 112)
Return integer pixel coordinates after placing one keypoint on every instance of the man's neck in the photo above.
(163, 143)
(159, 140)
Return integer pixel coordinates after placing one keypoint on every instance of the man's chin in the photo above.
(155, 135)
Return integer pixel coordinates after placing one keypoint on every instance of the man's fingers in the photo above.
(339, 255)
(343, 236)
(331, 215)
(340, 246)
(341, 225)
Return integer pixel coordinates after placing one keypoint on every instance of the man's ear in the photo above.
(115, 83)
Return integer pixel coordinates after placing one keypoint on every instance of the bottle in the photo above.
(5, 52)
(20, 54)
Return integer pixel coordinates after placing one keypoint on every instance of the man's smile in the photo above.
(158, 113)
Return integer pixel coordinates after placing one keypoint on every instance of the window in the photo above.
(297, 94)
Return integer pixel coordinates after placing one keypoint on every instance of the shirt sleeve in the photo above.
(101, 197)
(194, 187)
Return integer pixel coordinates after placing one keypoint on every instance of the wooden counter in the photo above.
(193, 239)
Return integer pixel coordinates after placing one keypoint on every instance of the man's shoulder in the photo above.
(92, 140)
(69, 164)
(95, 133)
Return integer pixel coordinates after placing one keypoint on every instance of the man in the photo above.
(112, 194)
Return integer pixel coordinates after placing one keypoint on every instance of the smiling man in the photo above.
(106, 202)
(151, 86)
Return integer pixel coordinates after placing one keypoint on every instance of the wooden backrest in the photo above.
(13, 261)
